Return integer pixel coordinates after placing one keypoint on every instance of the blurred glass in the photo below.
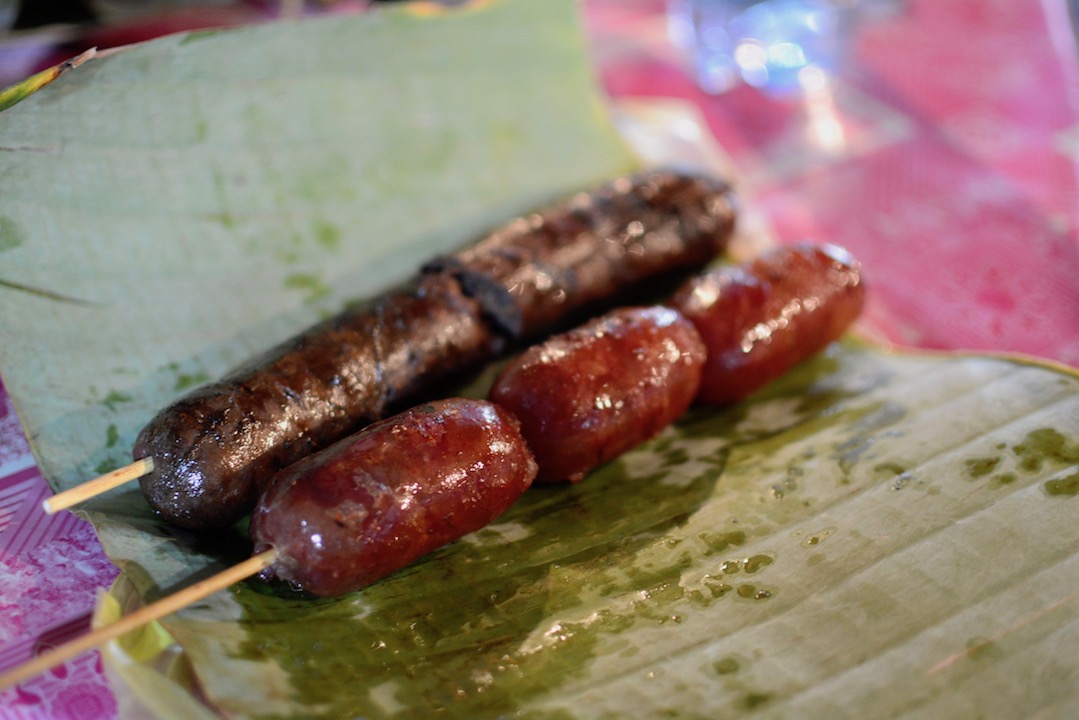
(774, 45)
(9, 10)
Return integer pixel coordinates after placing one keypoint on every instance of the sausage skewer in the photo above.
(332, 522)
(390, 494)
(329, 525)
(355, 512)
(562, 408)
(97, 486)
(212, 450)
(143, 616)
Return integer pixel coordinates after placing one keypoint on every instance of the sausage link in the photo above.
(628, 234)
(214, 448)
(373, 503)
(588, 395)
(760, 319)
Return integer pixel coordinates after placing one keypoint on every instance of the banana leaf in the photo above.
(877, 534)
(170, 210)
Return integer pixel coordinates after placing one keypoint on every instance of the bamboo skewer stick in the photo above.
(139, 618)
(92, 488)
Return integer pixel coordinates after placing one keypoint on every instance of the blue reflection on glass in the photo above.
(765, 44)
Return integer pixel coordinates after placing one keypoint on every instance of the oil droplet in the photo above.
(1063, 487)
(726, 666)
(895, 472)
(756, 562)
(980, 467)
(889, 468)
(901, 481)
(675, 456)
(750, 592)
(755, 700)
(1004, 479)
(718, 590)
(790, 484)
(718, 542)
(818, 537)
(1045, 443)
(730, 567)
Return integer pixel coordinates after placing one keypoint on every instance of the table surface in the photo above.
(944, 157)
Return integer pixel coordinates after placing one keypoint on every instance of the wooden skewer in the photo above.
(137, 619)
(92, 488)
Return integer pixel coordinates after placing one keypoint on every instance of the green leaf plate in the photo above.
(877, 534)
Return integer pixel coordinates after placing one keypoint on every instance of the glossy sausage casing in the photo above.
(588, 395)
(760, 319)
(541, 272)
(216, 447)
(213, 449)
(371, 504)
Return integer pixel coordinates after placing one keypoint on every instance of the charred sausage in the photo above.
(588, 395)
(214, 448)
(373, 503)
(645, 227)
(760, 319)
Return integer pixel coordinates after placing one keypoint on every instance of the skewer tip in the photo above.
(97, 486)
(165, 606)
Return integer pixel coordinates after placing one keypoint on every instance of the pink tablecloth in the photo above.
(945, 158)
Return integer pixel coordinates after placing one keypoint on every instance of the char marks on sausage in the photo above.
(540, 272)
(214, 448)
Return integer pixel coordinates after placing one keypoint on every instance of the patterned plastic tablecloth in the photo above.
(944, 157)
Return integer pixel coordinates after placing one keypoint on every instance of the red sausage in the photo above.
(760, 319)
(213, 448)
(371, 504)
(588, 395)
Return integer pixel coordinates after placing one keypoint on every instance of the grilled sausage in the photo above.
(214, 448)
(760, 319)
(373, 503)
(588, 395)
(635, 229)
